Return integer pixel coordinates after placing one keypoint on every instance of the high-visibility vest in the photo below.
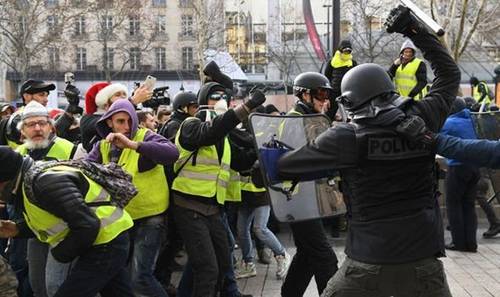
(249, 186)
(153, 195)
(233, 192)
(51, 229)
(202, 174)
(60, 150)
(477, 95)
(337, 62)
(405, 78)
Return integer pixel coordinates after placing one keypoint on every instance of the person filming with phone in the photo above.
(409, 72)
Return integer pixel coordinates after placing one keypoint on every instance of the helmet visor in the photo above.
(322, 94)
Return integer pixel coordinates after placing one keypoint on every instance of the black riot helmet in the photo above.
(207, 90)
(184, 99)
(310, 81)
(364, 83)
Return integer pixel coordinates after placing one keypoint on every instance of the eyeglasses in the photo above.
(218, 96)
(32, 125)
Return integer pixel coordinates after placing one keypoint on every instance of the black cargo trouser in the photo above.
(423, 278)
(314, 257)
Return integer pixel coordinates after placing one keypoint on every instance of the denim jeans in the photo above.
(260, 217)
(55, 274)
(230, 286)
(206, 243)
(102, 269)
(146, 243)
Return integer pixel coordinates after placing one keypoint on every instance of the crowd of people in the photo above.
(103, 204)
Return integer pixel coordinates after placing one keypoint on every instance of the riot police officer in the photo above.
(395, 228)
(314, 256)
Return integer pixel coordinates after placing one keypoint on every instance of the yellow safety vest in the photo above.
(249, 186)
(477, 94)
(233, 192)
(61, 150)
(52, 230)
(405, 78)
(153, 196)
(207, 178)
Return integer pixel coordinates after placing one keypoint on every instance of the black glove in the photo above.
(414, 129)
(72, 94)
(74, 109)
(258, 98)
(257, 178)
(401, 20)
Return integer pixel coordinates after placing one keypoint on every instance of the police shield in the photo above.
(291, 200)
(487, 126)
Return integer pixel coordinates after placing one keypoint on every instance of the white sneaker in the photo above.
(283, 264)
(245, 270)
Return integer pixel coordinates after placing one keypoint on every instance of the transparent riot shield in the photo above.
(296, 201)
(487, 126)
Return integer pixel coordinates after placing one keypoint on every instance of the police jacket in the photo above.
(62, 194)
(392, 211)
(196, 133)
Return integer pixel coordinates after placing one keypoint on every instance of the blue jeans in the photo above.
(102, 269)
(55, 274)
(146, 238)
(260, 217)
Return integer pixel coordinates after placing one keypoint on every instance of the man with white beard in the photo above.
(41, 144)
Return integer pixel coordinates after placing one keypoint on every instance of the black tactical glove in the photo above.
(257, 178)
(72, 94)
(414, 129)
(401, 20)
(258, 98)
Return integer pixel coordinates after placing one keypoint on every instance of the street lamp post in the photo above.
(327, 28)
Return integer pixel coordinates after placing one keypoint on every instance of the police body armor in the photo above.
(393, 209)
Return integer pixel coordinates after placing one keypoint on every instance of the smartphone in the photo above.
(150, 82)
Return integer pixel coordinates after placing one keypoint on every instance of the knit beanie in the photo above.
(90, 104)
(105, 94)
(34, 109)
(11, 163)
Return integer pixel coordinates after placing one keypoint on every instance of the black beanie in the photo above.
(11, 163)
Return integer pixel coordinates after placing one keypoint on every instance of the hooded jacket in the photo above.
(155, 149)
(421, 73)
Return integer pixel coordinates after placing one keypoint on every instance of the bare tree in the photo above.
(28, 29)
(208, 18)
(123, 31)
(463, 20)
(371, 43)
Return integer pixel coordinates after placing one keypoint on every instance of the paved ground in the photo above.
(469, 275)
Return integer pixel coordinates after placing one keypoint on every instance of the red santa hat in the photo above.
(90, 96)
(106, 93)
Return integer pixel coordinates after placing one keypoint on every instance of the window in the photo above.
(161, 24)
(135, 58)
(80, 26)
(187, 58)
(53, 54)
(107, 23)
(81, 58)
(187, 25)
(108, 58)
(51, 22)
(50, 3)
(159, 3)
(184, 3)
(161, 57)
(134, 26)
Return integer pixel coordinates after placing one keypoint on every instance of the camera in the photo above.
(160, 97)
